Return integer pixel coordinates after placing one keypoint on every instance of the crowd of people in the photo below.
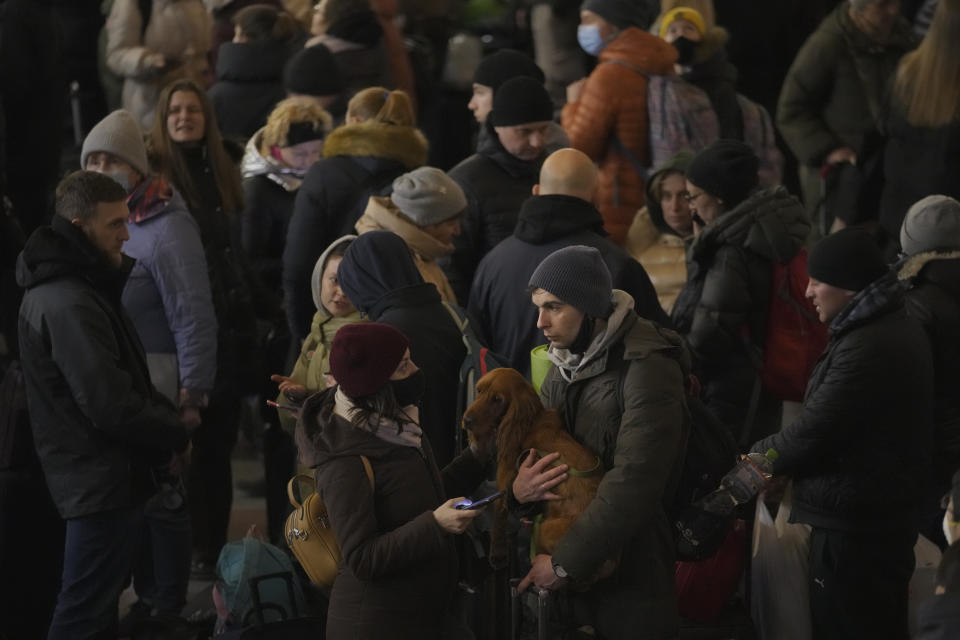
(291, 202)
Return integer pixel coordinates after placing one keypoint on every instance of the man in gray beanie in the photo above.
(619, 382)
(169, 300)
(500, 175)
(860, 451)
(424, 209)
(930, 239)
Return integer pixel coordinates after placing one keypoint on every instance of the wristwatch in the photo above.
(557, 569)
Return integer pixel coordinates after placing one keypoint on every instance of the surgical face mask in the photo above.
(590, 40)
(686, 48)
(120, 177)
(948, 528)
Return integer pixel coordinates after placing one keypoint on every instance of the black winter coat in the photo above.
(249, 85)
(360, 160)
(379, 277)
(859, 453)
(934, 299)
(499, 299)
(267, 208)
(917, 162)
(99, 425)
(729, 271)
(399, 569)
(496, 183)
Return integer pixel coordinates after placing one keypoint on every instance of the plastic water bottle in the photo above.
(741, 483)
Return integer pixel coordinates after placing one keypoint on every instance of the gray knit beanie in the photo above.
(120, 135)
(578, 276)
(427, 196)
(930, 224)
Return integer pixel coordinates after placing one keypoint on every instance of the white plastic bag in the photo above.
(779, 571)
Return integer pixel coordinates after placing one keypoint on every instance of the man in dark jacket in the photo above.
(100, 427)
(499, 177)
(930, 238)
(618, 383)
(559, 215)
(860, 451)
(379, 277)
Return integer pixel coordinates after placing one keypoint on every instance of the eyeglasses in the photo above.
(692, 197)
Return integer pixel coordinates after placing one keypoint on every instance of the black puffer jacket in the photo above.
(499, 299)
(98, 423)
(378, 275)
(249, 84)
(360, 160)
(729, 270)
(859, 454)
(399, 569)
(496, 183)
(934, 299)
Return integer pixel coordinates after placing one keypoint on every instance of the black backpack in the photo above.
(710, 453)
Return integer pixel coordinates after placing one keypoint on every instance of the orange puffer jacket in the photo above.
(614, 103)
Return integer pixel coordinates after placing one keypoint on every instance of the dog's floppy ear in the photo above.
(522, 411)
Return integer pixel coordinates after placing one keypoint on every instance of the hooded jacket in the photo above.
(399, 568)
(722, 310)
(314, 359)
(624, 398)
(269, 193)
(496, 183)
(860, 451)
(613, 107)
(359, 160)
(168, 292)
(99, 425)
(655, 245)
(382, 213)
(381, 280)
(933, 298)
(249, 85)
(499, 299)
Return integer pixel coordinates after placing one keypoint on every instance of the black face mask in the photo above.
(686, 48)
(409, 390)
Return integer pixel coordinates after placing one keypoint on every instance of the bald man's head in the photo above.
(568, 172)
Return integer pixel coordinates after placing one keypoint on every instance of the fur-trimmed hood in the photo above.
(912, 266)
(406, 145)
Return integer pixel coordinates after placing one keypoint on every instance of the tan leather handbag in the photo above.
(309, 534)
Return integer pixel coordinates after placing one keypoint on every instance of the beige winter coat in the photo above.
(663, 256)
(381, 213)
(179, 30)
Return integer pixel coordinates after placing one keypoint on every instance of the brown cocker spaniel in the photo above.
(508, 409)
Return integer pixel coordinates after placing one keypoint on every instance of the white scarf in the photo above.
(406, 434)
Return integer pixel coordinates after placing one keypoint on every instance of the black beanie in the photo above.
(313, 72)
(623, 13)
(520, 101)
(727, 169)
(848, 259)
(577, 275)
(502, 65)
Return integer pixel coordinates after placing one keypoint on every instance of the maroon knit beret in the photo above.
(364, 355)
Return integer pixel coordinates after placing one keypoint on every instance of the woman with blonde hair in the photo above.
(276, 159)
(186, 147)
(378, 142)
(922, 155)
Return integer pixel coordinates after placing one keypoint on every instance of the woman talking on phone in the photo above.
(398, 572)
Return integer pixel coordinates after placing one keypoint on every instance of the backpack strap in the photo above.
(369, 469)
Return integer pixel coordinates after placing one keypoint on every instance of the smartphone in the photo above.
(285, 405)
(468, 504)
